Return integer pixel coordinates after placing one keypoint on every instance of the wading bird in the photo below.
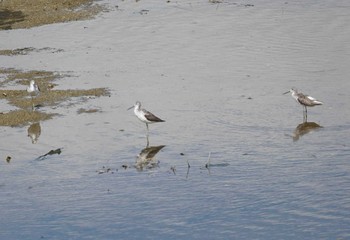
(144, 115)
(304, 100)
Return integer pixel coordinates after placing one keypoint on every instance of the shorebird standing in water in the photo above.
(144, 115)
(304, 100)
(33, 90)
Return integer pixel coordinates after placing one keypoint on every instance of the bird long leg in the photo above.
(147, 134)
(33, 107)
(304, 114)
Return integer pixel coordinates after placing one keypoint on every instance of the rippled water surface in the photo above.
(238, 162)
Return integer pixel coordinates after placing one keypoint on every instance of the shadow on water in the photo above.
(304, 128)
(8, 18)
(34, 132)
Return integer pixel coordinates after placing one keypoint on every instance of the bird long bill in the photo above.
(286, 92)
(130, 108)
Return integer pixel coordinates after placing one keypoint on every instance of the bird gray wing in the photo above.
(151, 117)
(304, 100)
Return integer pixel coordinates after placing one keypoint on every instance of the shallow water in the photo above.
(216, 74)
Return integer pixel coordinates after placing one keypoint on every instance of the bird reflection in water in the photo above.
(304, 128)
(146, 158)
(34, 132)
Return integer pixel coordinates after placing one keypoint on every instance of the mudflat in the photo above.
(16, 14)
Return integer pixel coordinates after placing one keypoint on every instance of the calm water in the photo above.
(216, 74)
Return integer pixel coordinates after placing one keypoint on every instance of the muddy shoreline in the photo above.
(27, 107)
(15, 14)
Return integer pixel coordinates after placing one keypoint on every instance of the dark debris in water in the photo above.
(106, 170)
(57, 151)
(91, 110)
(231, 3)
(217, 165)
(151, 164)
(249, 98)
(143, 11)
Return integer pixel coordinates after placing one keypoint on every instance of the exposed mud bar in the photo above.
(16, 14)
(48, 97)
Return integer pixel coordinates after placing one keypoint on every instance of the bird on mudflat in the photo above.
(304, 100)
(145, 116)
(33, 88)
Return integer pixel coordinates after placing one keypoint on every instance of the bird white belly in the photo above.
(140, 115)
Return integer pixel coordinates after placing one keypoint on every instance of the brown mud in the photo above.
(48, 97)
(16, 14)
